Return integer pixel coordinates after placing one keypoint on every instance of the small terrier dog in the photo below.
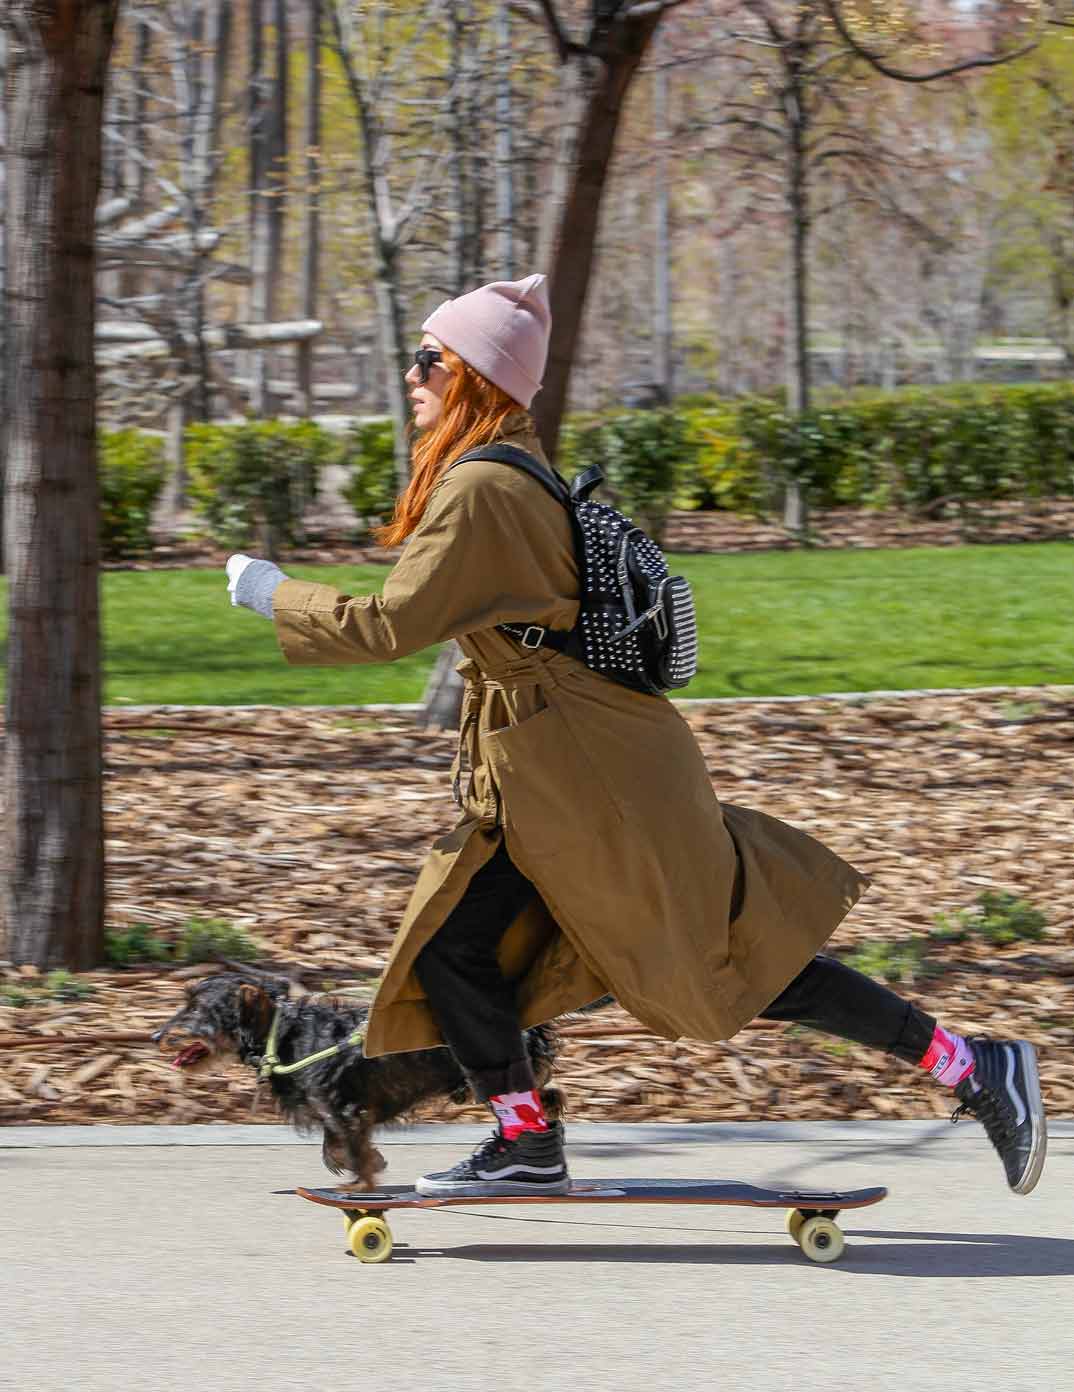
(229, 1015)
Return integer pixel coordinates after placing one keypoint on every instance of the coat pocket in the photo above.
(551, 793)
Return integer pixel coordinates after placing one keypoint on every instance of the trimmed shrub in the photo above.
(251, 483)
(917, 448)
(645, 457)
(368, 451)
(722, 474)
(131, 469)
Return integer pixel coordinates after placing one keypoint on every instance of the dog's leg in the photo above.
(367, 1161)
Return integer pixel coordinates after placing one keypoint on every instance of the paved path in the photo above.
(128, 1264)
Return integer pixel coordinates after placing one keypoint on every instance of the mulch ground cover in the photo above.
(1045, 519)
(307, 828)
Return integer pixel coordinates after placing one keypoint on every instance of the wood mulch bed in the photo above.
(308, 828)
(1048, 519)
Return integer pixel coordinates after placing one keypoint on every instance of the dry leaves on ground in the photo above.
(308, 828)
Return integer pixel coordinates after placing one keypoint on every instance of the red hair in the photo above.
(474, 413)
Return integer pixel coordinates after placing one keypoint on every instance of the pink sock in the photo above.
(948, 1058)
(517, 1112)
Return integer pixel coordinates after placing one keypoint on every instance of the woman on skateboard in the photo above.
(592, 855)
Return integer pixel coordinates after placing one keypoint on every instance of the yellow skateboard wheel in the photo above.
(350, 1217)
(821, 1240)
(370, 1239)
(795, 1219)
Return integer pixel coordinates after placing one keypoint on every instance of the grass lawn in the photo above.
(773, 623)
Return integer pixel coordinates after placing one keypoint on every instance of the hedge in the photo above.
(251, 483)
(131, 470)
(910, 448)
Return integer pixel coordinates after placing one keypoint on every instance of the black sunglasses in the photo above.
(425, 358)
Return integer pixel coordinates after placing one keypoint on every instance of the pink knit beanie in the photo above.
(502, 331)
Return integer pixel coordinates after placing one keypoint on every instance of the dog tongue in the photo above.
(190, 1054)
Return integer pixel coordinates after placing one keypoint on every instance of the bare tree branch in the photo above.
(881, 65)
(565, 46)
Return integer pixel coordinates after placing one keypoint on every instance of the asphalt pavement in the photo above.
(160, 1258)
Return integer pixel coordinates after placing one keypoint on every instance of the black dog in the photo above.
(231, 1014)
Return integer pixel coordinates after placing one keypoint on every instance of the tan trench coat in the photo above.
(694, 915)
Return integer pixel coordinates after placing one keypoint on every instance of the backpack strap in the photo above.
(584, 483)
(529, 635)
(522, 459)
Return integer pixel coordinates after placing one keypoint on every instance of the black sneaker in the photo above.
(1003, 1093)
(533, 1163)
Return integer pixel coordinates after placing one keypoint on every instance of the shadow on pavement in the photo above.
(927, 1254)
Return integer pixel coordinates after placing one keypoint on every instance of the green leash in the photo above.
(270, 1059)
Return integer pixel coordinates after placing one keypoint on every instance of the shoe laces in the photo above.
(992, 1110)
(492, 1145)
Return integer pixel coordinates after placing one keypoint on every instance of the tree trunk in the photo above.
(572, 262)
(267, 250)
(391, 333)
(311, 242)
(256, 366)
(276, 172)
(662, 356)
(799, 383)
(4, 329)
(138, 174)
(391, 319)
(53, 895)
(442, 699)
(505, 177)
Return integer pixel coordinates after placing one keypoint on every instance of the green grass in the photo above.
(772, 623)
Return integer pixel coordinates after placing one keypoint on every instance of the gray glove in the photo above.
(253, 583)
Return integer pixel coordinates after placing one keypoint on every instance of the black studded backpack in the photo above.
(637, 624)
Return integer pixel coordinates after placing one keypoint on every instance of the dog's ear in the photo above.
(255, 1015)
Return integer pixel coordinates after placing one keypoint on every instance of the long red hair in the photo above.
(475, 411)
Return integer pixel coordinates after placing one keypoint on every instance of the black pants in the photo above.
(476, 1010)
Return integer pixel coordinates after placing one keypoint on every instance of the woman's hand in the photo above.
(252, 583)
(235, 566)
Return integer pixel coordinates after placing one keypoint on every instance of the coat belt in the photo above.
(527, 671)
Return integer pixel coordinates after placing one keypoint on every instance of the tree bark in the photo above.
(505, 174)
(4, 329)
(442, 698)
(799, 383)
(387, 227)
(662, 333)
(576, 240)
(267, 251)
(53, 895)
(311, 248)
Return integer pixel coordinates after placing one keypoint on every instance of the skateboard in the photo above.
(811, 1214)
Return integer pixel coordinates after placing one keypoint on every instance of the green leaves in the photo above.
(198, 940)
(251, 483)
(910, 448)
(645, 456)
(368, 451)
(131, 470)
(999, 917)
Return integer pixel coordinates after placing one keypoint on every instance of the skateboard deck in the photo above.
(811, 1213)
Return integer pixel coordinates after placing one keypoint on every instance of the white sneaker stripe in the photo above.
(510, 1170)
(1012, 1091)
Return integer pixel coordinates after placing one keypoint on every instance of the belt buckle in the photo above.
(533, 628)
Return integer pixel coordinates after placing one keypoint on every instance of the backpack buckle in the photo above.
(533, 628)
